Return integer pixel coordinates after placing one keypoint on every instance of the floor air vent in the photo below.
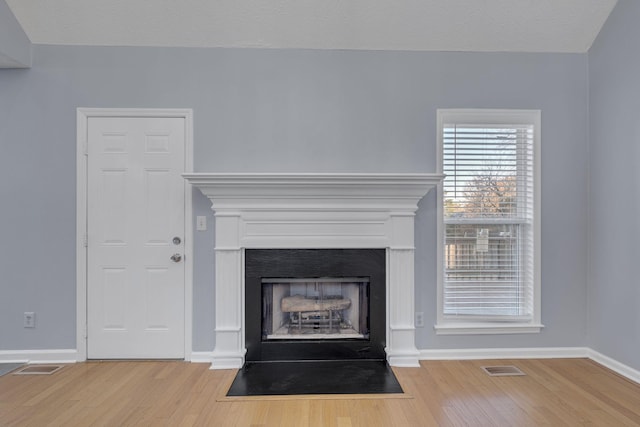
(38, 370)
(502, 371)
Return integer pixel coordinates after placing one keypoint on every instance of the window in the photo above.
(489, 221)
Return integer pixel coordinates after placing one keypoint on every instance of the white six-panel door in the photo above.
(136, 234)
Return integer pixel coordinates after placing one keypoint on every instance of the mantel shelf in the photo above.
(334, 186)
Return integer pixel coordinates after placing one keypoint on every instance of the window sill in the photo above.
(487, 328)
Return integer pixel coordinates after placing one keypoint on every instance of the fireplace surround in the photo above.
(313, 211)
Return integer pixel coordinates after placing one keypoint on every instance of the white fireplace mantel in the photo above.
(313, 210)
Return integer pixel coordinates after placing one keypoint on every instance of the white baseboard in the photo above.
(39, 356)
(532, 353)
(504, 353)
(614, 365)
(71, 356)
(201, 356)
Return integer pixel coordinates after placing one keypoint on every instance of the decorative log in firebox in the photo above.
(298, 303)
(315, 313)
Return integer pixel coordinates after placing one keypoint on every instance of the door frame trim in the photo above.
(82, 118)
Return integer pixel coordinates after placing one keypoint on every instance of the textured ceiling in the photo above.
(429, 25)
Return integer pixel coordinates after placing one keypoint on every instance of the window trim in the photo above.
(450, 325)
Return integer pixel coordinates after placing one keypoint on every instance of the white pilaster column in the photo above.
(401, 347)
(229, 348)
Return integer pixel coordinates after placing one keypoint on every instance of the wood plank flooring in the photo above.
(554, 392)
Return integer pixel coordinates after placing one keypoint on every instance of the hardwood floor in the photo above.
(554, 392)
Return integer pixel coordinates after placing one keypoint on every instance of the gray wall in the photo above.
(614, 207)
(15, 46)
(281, 110)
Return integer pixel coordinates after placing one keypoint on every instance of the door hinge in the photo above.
(85, 240)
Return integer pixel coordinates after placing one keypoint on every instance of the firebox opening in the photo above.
(315, 304)
(315, 308)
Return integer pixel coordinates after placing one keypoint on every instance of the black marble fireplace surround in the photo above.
(315, 263)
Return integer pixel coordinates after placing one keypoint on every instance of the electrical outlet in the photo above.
(419, 319)
(29, 319)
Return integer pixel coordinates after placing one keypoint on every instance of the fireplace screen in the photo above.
(313, 308)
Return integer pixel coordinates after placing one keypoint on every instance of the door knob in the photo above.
(176, 257)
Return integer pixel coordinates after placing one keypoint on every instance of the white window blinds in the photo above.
(488, 204)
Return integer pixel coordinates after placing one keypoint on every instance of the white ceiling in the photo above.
(426, 25)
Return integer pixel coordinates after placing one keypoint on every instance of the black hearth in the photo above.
(315, 304)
